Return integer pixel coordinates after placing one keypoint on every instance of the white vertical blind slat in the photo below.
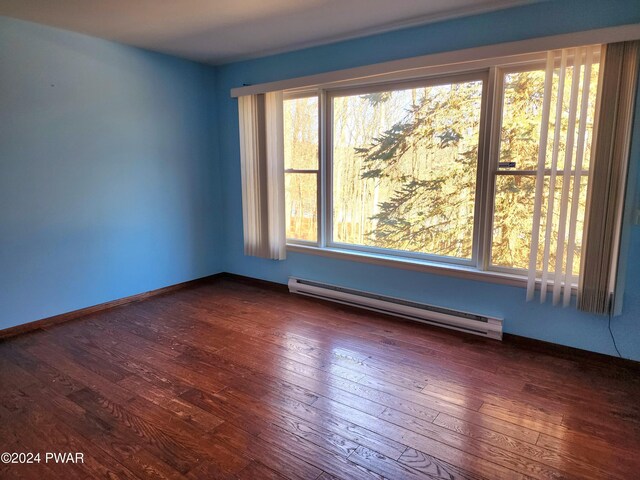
(552, 177)
(566, 176)
(544, 133)
(571, 243)
(275, 175)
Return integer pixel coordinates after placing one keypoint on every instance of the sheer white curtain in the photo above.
(262, 169)
(559, 179)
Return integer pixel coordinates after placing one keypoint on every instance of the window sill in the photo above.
(459, 271)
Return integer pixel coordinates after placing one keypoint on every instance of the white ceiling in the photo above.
(219, 31)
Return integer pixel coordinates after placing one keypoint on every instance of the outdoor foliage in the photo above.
(421, 171)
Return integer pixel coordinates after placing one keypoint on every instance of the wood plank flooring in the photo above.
(233, 380)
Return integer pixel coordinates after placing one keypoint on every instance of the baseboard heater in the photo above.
(442, 317)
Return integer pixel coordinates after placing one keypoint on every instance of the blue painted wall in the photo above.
(564, 326)
(108, 180)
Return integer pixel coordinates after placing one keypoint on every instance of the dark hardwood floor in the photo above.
(227, 379)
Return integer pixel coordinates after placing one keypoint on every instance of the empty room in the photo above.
(329, 239)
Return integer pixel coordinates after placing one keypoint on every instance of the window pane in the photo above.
(512, 220)
(301, 133)
(522, 116)
(513, 216)
(404, 168)
(301, 203)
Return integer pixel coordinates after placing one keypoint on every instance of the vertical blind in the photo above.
(561, 158)
(612, 137)
(262, 171)
(572, 160)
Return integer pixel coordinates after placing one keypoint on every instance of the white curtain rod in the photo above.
(603, 35)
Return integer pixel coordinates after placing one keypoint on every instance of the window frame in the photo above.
(495, 171)
(473, 75)
(479, 266)
(318, 171)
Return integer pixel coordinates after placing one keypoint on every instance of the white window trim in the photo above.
(437, 268)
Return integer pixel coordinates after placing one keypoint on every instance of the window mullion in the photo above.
(323, 181)
(494, 155)
(486, 166)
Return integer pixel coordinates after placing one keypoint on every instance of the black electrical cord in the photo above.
(612, 337)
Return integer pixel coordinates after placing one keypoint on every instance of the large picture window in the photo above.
(440, 169)
(509, 169)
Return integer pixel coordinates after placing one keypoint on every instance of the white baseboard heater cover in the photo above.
(420, 312)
